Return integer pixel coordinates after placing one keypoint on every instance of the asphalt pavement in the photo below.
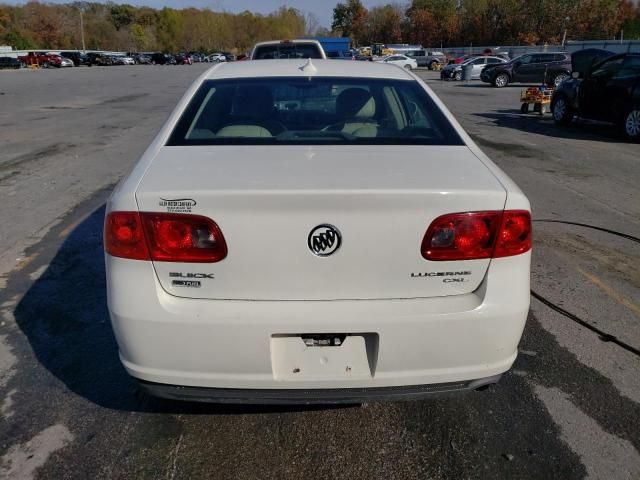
(569, 408)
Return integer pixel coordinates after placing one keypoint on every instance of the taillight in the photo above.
(123, 236)
(183, 238)
(164, 237)
(477, 235)
(515, 234)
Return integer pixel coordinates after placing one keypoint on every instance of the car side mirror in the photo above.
(575, 75)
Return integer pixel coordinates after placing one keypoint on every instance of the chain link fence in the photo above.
(616, 46)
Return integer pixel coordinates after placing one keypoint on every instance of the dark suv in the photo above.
(9, 62)
(607, 91)
(548, 68)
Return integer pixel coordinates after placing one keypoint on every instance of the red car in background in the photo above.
(41, 59)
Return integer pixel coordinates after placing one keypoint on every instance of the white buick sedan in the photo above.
(315, 232)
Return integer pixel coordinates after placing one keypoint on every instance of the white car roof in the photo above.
(293, 68)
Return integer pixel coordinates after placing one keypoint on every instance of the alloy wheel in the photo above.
(559, 109)
(632, 124)
(501, 81)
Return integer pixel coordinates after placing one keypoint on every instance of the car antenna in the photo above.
(309, 67)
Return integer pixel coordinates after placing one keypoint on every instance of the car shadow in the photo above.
(64, 317)
(580, 129)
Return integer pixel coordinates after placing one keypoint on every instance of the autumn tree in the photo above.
(384, 23)
(433, 22)
(349, 19)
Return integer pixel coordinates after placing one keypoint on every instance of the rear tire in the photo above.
(407, 66)
(561, 110)
(524, 108)
(501, 80)
(631, 124)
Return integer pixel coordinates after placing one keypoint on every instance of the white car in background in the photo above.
(315, 232)
(217, 57)
(454, 71)
(400, 60)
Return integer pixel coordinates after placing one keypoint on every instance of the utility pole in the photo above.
(566, 25)
(84, 49)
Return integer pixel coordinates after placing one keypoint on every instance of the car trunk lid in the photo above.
(267, 201)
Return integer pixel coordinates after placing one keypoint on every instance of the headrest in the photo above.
(355, 103)
(252, 102)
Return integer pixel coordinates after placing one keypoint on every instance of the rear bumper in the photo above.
(229, 344)
(332, 396)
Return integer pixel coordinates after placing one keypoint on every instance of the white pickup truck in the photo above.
(288, 49)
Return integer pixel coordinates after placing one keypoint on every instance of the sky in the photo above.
(323, 9)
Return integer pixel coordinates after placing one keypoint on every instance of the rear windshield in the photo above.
(311, 111)
(287, 50)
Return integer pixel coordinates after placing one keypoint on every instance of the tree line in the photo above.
(122, 27)
(450, 23)
(454, 23)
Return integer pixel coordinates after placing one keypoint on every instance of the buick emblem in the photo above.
(324, 240)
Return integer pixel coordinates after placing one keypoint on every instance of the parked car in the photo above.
(217, 57)
(607, 91)
(66, 62)
(464, 58)
(10, 63)
(425, 58)
(41, 59)
(78, 58)
(284, 49)
(400, 60)
(142, 59)
(454, 71)
(198, 57)
(547, 68)
(100, 59)
(486, 52)
(55, 60)
(373, 284)
(122, 60)
(162, 59)
(183, 59)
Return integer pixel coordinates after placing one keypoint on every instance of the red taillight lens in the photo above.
(183, 238)
(515, 234)
(123, 236)
(163, 237)
(476, 235)
(461, 236)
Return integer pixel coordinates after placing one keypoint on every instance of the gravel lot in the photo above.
(569, 408)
